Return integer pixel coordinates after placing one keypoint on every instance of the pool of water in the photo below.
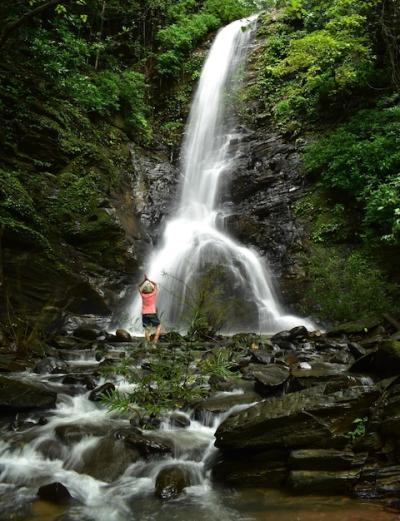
(232, 505)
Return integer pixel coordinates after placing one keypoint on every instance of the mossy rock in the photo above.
(357, 326)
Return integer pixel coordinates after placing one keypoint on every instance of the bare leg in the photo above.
(158, 331)
(147, 334)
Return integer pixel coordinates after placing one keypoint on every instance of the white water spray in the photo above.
(193, 238)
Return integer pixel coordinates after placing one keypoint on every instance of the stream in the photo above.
(66, 445)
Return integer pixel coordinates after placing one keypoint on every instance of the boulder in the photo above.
(54, 492)
(301, 419)
(170, 482)
(87, 333)
(80, 379)
(325, 459)
(107, 460)
(66, 342)
(121, 335)
(218, 404)
(180, 420)
(261, 356)
(382, 361)
(354, 327)
(322, 481)
(96, 394)
(378, 481)
(147, 445)
(51, 366)
(51, 449)
(70, 433)
(271, 379)
(18, 396)
(268, 469)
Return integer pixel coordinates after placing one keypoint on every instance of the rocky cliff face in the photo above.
(264, 186)
(84, 273)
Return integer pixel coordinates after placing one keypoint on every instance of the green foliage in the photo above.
(170, 384)
(360, 429)
(315, 56)
(345, 285)
(218, 364)
(14, 197)
(361, 159)
(178, 39)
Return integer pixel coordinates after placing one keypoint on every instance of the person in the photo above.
(148, 292)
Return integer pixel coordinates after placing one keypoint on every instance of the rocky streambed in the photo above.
(305, 412)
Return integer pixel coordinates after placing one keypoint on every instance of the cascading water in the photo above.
(194, 238)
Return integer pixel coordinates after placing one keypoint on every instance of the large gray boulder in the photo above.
(297, 420)
(18, 396)
(326, 459)
(267, 468)
(323, 481)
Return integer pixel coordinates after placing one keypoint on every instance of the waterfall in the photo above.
(194, 239)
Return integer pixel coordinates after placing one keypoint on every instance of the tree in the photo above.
(13, 26)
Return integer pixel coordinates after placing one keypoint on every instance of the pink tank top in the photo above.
(149, 302)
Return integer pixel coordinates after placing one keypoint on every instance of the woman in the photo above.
(148, 292)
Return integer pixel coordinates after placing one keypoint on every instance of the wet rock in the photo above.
(357, 326)
(301, 419)
(250, 370)
(357, 350)
(245, 340)
(96, 394)
(179, 420)
(383, 361)
(325, 459)
(223, 403)
(10, 364)
(80, 379)
(107, 460)
(67, 342)
(171, 481)
(233, 384)
(268, 468)
(72, 433)
(51, 366)
(261, 356)
(121, 335)
(51, 449)
(147, 445)
(54, 492)
(319, 373)
(271, 380)
(377, 481)
(322, 481)
(20, 396)
(298, 332)
(87, 333)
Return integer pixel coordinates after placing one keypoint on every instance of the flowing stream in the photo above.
(33, 455)
(194, 238)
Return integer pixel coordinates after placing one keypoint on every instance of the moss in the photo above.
(326, 220)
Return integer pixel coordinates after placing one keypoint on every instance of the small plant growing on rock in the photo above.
(360, 428)
(219, 364)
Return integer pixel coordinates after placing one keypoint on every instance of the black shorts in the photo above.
(150, 320)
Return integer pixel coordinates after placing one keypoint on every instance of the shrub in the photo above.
(346, 285)
(361, 161)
